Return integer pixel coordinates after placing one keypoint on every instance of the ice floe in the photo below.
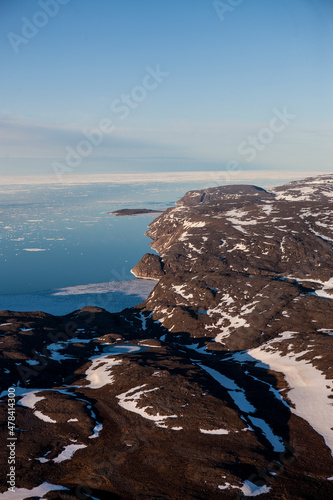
(35, 249)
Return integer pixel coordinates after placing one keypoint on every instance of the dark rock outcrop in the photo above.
(150, 266)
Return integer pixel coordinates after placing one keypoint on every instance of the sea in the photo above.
(55, 236)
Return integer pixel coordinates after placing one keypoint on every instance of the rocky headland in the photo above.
(218, 386)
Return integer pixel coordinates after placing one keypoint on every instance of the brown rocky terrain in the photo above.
(219, 385)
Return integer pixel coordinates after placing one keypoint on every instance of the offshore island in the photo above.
(134, 211)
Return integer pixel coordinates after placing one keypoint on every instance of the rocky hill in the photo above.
(219, 385)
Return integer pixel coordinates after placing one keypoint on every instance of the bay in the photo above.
(58, 235)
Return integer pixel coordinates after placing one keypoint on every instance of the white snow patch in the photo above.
(98, 374)
(239, 246)
(68, 452)
(129, 400)
(327, 291)
(38, 491)
(308, 388)
(252, 490)
(225, 314)
(236, 218)
(29, 400)
(55, 355)
(41, 416)
(249, 489)
(188, 224)
(267, 209)
(97, 429)
(179, 289)
(214, 431)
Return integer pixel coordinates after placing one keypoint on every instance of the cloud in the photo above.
(168, 143)
(22, 139)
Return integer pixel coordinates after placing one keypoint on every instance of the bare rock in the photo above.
(149, 267)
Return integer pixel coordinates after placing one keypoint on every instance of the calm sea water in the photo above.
(56, 235)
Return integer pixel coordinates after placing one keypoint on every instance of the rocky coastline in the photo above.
(219, 385)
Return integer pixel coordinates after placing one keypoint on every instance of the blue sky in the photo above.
(226, 72)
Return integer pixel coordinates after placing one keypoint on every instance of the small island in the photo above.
(134, 211)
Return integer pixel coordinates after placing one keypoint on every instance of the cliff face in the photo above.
(219, 385)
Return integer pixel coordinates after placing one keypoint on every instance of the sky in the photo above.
(111, 86)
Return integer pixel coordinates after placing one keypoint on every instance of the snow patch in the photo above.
(68, 452)
(309, 388)
(214, 431)
(39, 491)
(130, 399)
(98, 374)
